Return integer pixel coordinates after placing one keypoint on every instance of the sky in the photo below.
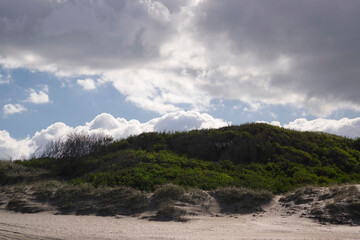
(123, 67)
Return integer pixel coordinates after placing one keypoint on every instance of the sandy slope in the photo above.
(272, 224)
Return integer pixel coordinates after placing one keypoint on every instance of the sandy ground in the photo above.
(272, 224)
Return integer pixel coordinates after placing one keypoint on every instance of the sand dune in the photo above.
(273, 223)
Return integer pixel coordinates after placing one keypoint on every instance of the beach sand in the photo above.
(274, 222)
(271, 224)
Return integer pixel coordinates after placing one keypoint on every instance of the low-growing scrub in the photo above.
(12, 173)
(242, 200)
(167, 193)
(301, 196)
(85, 199)
(80, 199)
(336, 204)
(169, 212)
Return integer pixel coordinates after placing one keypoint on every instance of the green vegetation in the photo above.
(255, 156)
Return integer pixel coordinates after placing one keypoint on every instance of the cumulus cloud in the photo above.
(53, 132)
(185, 121)
(108, 125)
(344, 127)
(183, 54)
(38, 97)
(87, 84)
(175, 121)
(11, 148)
(10, 109)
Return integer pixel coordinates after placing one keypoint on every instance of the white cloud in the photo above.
(13, 148)
(274, 123)
(87, 84)
(344, 127)
(4, 80)
(38, 97)
(175, 121)
(10, 109)
(185, 121)
(109, 125)
(53, 132)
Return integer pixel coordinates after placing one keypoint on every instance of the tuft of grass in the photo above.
(105, 201)
(241, 200)
(44, 191)
(168, 212)
(167, 192)
(20, 205)
(300, 196)
(12, 173)
(355, 210)
(341, 193)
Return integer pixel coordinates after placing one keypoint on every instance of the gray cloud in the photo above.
(76, 34)
(305, 53)
(319, 40)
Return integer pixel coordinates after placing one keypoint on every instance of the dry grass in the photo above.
(167, 193)
(12, 173)
(241, 200)
(336, 204)
(169, 212)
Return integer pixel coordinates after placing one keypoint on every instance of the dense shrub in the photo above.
(257, 156)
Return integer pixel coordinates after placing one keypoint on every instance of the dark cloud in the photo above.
(321, 37)
(77, 33)
(304, 53)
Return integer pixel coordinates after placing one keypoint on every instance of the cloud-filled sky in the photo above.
(127, 66)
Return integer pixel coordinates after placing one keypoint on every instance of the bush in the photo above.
(241, 200)
(76, 145)
(168, 212)
(12, 173)
(167, 192)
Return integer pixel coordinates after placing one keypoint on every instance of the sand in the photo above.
(275, 222)
(272, 224)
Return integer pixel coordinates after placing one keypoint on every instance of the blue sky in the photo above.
(122, 67)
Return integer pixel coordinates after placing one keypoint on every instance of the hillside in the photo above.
(257, 156)
(242, 165)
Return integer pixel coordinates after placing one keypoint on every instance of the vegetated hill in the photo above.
(257, 156)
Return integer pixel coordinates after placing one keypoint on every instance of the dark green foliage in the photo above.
(257, 156)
